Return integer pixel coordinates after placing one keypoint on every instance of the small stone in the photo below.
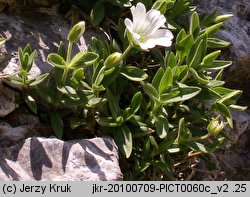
(7, 101)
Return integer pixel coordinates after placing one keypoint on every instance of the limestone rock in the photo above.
(237, 28)
(42, 28)
(18, 126)
(7, 101)
(55, 160)
(238, 33)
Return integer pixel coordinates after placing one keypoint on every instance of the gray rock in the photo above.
(238, 33)
(55, 160)
(43, 29)
(18, 126)
(237, 28)
(7, 101)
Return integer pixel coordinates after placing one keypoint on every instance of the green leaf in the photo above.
(229, 96)
(96, 102)
(194, 25)
(166, 81)
(136, 102)
(212, 29)
(133, 73)
(207, 94)
(218, 65)
(47, 94)
(208, 59)
(185, 44)
(123, 139)
(67, 90)
(24, 64)
(113, 103)
(97, 13)
(237, 107)
(223, 18)
(27, 49)
(150, 90)
(217, 43)
(161, 126)
(215, 83)
(39, 79)
(163, 5)
(197, 77)
(181, 35)
(62, 51)
(205, 148)
(168, 141)
(222, 90)
(110, 75)
(170, 60)
(78, 74)
(56, 60)
(30, 62)
(154, 145)
(221, 108)
(180, 130)
(157, 78)
(197, 56)
(207, 20)
(15, 80)
(180, 94)
(57, 124)
(83, 59)
(109, 121)
(31, 103)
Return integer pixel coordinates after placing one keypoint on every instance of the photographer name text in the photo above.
(12, 188)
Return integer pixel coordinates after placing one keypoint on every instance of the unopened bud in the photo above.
(76, 31)
(113, 60)
(215, 127)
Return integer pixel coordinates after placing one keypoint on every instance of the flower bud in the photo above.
(215, 127)
(76, 31)
(113, 60)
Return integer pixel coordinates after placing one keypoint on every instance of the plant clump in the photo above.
(155, 87)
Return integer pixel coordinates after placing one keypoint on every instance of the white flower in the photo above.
(144, 30)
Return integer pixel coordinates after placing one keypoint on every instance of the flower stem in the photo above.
(66, 70)
(125, 53)
(64, 77)
(69, 52)
(204, 137)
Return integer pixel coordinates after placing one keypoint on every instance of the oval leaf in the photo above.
(56, 60)
(180, 94)
(123, 139)
(83, 59)
(97, 13)
(57, 124)
(134, 74)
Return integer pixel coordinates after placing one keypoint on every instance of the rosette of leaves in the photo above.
(26, 59)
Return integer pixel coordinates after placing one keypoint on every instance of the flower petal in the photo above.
(161, 37)
(154, 21)
(148, 44)
(138, 13)
(162, 33)
(128, 23)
